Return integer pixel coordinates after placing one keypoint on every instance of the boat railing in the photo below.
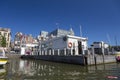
(59, 52)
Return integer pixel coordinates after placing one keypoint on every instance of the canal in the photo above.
(18, 69)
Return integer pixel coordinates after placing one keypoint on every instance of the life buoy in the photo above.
(69, 44)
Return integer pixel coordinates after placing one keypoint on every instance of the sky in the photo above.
(99, 19)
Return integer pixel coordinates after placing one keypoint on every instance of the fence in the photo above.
(63, 52)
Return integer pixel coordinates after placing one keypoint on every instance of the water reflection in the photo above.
(42, 70)
(2, 72)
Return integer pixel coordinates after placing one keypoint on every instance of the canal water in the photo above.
(18, 69)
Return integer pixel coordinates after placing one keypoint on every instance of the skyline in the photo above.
(99, 19)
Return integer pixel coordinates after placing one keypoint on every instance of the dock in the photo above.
(81, 60)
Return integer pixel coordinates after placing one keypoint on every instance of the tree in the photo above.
(0, 39)
(3, 41)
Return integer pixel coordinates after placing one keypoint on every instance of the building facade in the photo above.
(6, 32)
(64, 45)
(60, 32)
(17, 41)
(61, 40)
(101, 47)
(44, 35)
(23, 40)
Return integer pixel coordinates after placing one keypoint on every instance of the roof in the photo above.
(68, 36)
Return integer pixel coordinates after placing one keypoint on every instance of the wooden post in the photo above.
(46, 52)
(53, 51)
(64, 51)
(71, 52)
(49, 52)
(93, 53)
(58, 52)
(103, 54)
(83, 53)
(39, 52)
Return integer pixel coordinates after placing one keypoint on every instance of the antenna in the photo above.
(80, 31)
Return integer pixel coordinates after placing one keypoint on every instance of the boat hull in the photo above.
(3, 58)
(3, 61)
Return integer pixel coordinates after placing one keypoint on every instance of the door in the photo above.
(79, 47)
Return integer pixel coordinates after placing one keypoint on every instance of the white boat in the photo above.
(3, 58)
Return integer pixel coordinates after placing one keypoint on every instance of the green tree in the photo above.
(0, 39)
(3, 41)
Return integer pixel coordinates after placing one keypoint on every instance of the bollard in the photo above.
(58, 52)
(93, 53)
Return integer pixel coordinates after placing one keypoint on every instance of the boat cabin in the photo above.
(64, 45)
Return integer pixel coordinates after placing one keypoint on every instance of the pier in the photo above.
(82, 60)
(66, 56)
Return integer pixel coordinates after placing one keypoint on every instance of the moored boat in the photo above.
(3, 58)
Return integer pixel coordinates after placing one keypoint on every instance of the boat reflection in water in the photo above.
(3, 58)
(18, 69)
(2, 72)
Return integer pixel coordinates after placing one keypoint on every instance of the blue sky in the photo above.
(98, 18)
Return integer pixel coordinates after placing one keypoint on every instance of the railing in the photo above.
(63, 52)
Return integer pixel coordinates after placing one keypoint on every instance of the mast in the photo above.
(108, 37)
(116, 41)
(80, 31)
(109, 42)
(117, 48)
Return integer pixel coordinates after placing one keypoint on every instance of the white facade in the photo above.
(97, 45)
(27, 47)
(66, 42)
(100, 45)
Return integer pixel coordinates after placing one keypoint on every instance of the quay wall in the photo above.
(100, 59)
(64, 59)
(82, 60)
